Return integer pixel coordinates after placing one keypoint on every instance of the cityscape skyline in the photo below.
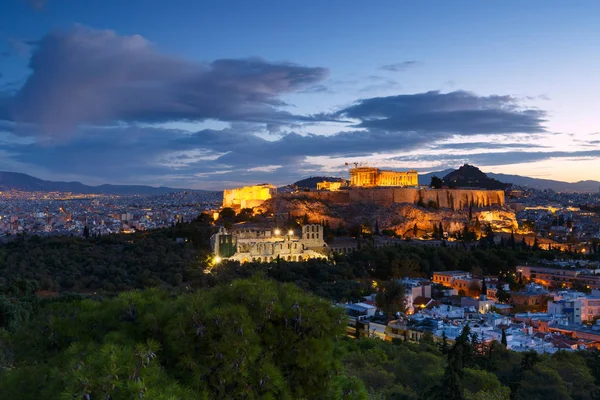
(213, 96)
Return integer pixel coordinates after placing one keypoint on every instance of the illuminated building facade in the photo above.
(266, 245)
(331, 186)
(248, 196)
(369, 177)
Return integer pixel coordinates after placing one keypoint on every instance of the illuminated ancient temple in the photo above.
(369, 177)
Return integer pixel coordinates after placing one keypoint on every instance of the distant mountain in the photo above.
(471, 177)
(27, 183)
(558, 186)
(534, 183)
(425, 179)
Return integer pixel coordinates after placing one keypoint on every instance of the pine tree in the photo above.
(483, 287)
(377, 227)
(305, 219)
(441, 230)
(470, 211)
(503, 340)
(86, 232)
(444, 345)
(415, 230)
(524, 243)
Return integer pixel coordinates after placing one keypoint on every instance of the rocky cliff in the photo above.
(400, 217)
(453, 199)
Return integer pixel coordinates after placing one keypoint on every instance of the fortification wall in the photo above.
(455, 199)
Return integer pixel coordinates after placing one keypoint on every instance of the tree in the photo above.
(415, 230)
(86, 232)
(511, 240)
(542, 383)
(503, 340)
(444, 343)
(390, 298)
(305, 220)
(483, 287)
(436, 182)
(227, 214)
(502, 295)
(249, 337)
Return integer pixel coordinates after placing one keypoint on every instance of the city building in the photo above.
(248, 196)
(447, 278)
(266, 245)
(416, 290)
(560, 277)
(369, 177)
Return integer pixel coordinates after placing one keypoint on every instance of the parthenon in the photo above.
(369, 177)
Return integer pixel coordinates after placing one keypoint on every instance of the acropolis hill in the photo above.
(374, 195)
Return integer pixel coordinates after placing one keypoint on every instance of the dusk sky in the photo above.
(207, 94)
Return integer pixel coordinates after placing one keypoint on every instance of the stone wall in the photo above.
(455, 199)
(248, 196)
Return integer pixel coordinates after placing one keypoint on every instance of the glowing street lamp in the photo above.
(217, 259)
(277, 232)
(291, 232)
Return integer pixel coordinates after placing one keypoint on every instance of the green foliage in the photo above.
(251, 339)
(390, 298)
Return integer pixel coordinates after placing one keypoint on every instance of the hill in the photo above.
(534, 183)
(559, 186)
(27, 183)
(472, 177)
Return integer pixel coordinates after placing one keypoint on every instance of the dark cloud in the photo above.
(238, 153)
(129, 152)
(401, 66)
(88, 76)
(439, 114)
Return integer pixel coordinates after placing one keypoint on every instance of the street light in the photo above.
(277, 232)
(290, 232)
(217, 259)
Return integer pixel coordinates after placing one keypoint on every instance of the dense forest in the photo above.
(179, 256)
(257, 338)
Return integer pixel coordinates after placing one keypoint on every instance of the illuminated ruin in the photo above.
(370, 177)
(248, 196)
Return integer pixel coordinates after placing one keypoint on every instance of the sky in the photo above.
(218, 94)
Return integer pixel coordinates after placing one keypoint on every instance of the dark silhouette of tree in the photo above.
(390, 298)
(436, 182)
